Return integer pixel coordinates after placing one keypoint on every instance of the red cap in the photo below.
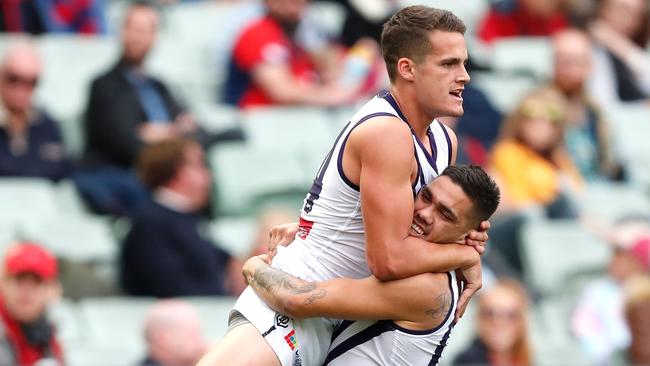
(30, 258)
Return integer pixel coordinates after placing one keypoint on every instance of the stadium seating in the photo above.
(65, 94)
(532, 55)
(630, 124)
(234, 234)
(609, 202)
(505, 91)
(555, 252)
(245, 174)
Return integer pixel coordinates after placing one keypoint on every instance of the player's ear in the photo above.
(406, 68)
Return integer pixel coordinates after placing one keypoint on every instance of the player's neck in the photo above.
(417, 119)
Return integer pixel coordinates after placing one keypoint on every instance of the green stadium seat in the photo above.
(114, 324)
(630, 124)
(215, 117)
(609, 202)
(470, 14)
(299, 130)
(75, 238)
(532, 54)
(504, 91)
(65, 94)
(234, 234)
(27, 199)
(554, 252)
(244, 174)
(65, 316)
(214, 313)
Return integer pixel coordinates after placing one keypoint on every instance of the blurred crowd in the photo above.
(145, 163)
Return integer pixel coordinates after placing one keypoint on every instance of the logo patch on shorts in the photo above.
(281, 320)
(291, 339)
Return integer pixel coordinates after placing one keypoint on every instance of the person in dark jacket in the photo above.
(127, 110)
(30, 141)
(164, 254)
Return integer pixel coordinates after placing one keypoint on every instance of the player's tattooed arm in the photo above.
(280, 290)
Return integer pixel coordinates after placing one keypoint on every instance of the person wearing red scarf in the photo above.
(28, 284)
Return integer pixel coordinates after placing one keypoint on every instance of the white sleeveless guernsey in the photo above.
(331, 239)
(366, 342)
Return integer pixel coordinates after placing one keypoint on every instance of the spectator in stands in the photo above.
(622, 66)
(128, 109)
(530, 160)
(587, 138)
(30, 141)
(270, 66)
(502, 328)
(165, 254)
(172, 331)
(522, 18)
(637, 314)
(598, 320)
(28, 284)
(60, 16)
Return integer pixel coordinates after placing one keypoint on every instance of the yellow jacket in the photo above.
(526, 177)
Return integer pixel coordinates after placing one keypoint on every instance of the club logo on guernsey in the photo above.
(291, 339)
(281, 320)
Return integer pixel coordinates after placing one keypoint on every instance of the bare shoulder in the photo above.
(387, 134)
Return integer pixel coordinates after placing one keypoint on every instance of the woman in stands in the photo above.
(502, 328)
(530, 160)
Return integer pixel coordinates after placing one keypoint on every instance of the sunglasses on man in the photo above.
(14, 79)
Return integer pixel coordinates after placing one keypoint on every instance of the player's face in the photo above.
(440, 77)
(442, 212)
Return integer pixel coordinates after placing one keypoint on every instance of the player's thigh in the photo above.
(243, 345)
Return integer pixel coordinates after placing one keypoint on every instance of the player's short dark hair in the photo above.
(406, 33)
(158, 163)
(478, 186)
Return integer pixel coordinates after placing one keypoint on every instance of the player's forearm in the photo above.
(283, 292)
(413, 256)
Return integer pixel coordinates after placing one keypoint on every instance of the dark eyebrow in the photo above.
(449, 212)
(452, 60)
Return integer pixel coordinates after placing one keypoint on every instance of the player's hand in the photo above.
(253, 264)
(478, 238)
(472, 278)
(281, 235)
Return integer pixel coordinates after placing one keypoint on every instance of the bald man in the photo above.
(30, 141)
(172, 331)
(587, 135)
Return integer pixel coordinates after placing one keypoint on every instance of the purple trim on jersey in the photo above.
(393, 103)
(432, 330)
(345, 140)
(360, 338)
(443, 343)
(317, 185)
(343, 326)
(444, 129)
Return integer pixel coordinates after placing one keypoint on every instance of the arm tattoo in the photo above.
(274, 281)
(442, 305)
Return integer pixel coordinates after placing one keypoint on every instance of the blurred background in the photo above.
(146, 148)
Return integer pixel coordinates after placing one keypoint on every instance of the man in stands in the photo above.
(30, 141)
(172, 331)
(28, 284)
(270, 66)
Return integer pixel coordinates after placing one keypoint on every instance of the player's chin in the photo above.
(455, 111)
